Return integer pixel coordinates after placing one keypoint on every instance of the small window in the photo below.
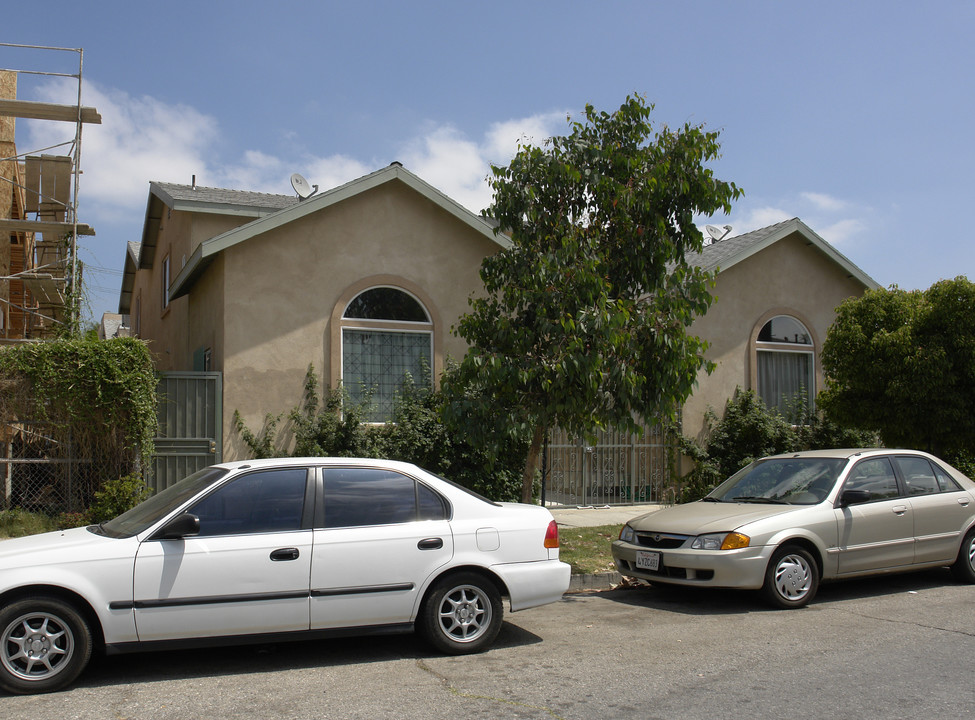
(784, 329)
(945, 481)
(429, 504)
(165, 282)
(386, 303)
(259, 502)
(356, 497)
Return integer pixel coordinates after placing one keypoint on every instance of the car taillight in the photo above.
(552, 535)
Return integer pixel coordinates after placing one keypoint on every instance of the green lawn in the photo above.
(586, 549)
(17, 523)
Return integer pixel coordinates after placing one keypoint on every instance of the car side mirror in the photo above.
(854, 497)
(180, 527)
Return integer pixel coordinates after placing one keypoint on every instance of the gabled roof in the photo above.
(723, 254)
(195, 198)
(132, 252)
(207, 250)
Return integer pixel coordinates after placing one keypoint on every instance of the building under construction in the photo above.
(40, 277)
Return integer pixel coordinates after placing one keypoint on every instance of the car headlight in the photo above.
(720, 541)
(627, 535)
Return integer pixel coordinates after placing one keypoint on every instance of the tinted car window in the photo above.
(143, 515)
(945, 482)
(366, 496)
(267, 501)
(918, 475)
(876, 476)
(430, 506)
(923, 477)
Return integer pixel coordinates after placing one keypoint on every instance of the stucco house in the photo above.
(776, 294)
(363, 282)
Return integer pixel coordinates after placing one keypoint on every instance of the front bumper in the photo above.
(744, 568)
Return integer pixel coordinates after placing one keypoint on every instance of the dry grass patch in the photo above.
(587, 549)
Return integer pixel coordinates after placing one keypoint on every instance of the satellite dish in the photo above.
(717, 233)
(302, 187)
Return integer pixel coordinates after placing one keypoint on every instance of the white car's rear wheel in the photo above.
(462, 614)
(44, 645)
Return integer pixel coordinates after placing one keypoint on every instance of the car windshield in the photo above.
(145, 514)
(792, 481)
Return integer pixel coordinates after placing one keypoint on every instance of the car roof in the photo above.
(317, 461)
(847, 453)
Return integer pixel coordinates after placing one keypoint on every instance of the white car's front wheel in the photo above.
(44, 645)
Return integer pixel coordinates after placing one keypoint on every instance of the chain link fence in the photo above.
(44, 468)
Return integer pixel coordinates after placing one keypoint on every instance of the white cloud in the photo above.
(459, 166)
(143, 139)
(755, 218)
(503, 137)
(842, 232)
(839, 222)
(140, 139)
(824, 202)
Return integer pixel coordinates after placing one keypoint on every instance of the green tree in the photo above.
(584, 319)
(902, 363)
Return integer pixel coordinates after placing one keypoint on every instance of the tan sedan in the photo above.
(784, 523)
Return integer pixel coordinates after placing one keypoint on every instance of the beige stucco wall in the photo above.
(282, 287)
(175, 332)
(792, 277)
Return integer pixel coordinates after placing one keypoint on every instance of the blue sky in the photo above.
(853, 116)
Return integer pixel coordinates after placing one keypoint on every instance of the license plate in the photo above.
(647, 560)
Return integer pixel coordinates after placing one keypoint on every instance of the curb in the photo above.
(593, 581)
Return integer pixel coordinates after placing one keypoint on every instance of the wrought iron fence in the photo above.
(619, 468)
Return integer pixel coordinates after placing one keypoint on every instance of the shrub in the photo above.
(750, 430)
(67, 520)
(117, 496)
(328, 424)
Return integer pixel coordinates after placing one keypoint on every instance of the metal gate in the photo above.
(619, 468)
(190, 417)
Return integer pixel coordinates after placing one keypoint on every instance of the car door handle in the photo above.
(284, 554)
(430, 544)
(963, 502)
(899, 509)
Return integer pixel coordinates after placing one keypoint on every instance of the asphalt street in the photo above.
(899, 647)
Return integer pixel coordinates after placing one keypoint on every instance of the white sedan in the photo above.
(269, 550)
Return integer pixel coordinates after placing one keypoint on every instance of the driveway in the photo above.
(887, 648)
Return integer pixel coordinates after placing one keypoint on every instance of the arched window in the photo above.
(387, 333)
(785, 360)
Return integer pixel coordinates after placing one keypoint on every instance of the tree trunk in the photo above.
(531, 463)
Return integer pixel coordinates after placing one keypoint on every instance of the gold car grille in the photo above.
(660, 541)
